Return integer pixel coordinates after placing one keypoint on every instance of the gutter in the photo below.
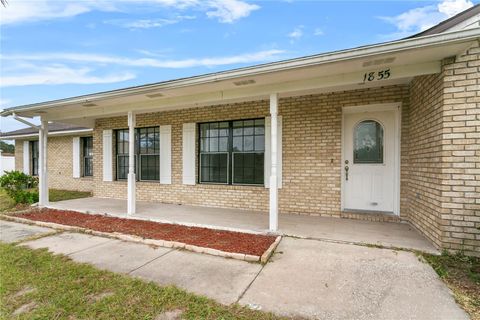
(335, 56)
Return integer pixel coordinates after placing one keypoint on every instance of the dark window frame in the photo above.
(140, 153)
(231, 153)
(34, 157)
(87, 156)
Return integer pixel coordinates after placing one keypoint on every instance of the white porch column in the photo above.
(273, 214)
(131, 164)
(43, 164)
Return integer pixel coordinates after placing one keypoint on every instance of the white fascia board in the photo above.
(336, 56)
(55, 133)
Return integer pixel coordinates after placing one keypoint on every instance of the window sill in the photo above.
(230, 185)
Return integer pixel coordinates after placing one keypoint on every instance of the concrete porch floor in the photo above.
(396, 235)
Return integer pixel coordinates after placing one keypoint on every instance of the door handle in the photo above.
(346, 173)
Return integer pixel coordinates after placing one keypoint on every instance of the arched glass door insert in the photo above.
(368, 143)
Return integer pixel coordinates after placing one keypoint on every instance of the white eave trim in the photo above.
(55, 133)
(336, 56)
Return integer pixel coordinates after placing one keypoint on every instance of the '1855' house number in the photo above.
(376, 75)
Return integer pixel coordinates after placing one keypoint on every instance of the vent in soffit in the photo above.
(378, 62)
(154, 95)
(244, 82)
(89, 104)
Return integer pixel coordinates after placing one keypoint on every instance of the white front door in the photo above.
(370, 160)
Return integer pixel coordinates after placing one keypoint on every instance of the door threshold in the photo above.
(387, 213)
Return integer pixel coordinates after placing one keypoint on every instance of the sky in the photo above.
(52, 49)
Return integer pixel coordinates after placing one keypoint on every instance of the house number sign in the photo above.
(376, 75)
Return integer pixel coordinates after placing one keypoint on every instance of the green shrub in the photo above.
(17, 185)
(25, 196)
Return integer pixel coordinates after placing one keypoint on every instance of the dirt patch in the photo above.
(97, 297)
(25, 308)
(462, 275)
(24, 291)
(227, 241)
(170, 315)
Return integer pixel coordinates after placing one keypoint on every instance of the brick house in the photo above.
(386, 132)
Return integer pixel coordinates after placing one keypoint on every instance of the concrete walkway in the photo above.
(11, 232)
(396, 235)
(307, 278)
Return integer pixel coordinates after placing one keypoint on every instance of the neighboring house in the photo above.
(384, 132)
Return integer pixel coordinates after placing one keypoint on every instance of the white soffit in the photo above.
(322, 73)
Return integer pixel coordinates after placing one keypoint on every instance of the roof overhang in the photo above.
(335, 71)
(28, 136)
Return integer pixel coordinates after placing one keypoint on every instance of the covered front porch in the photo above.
(393, 235)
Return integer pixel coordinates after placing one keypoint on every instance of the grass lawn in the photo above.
(60, 195)
(462, 275)
(6, 202)
(50, 286)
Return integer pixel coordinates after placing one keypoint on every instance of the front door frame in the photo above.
(397, 108)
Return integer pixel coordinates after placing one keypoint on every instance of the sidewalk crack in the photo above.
(150, 261)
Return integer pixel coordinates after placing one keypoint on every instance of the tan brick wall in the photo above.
(60, 164)
(311, 153)
(444, 154)
(461, 153)
(440, 153)
(424, 156)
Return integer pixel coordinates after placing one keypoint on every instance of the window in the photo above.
(147, 152)
(34, 157)
(368, 142)
(232, 152)
(87, 156)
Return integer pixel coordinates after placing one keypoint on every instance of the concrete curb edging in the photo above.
(267, 254)
(154, 242)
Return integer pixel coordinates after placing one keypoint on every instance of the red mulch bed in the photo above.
(228, 241)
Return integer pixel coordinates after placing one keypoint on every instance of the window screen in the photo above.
(147, 153)
(34, 157)
(87, 156)
(232, 152)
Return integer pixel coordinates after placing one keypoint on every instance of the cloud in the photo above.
(23, 11)
(296, 34)
(229, 11)
(4, 103)
(318, 32)
(260, 56)
(81, 68)
(452, 7)
(59, 74)
(147, 23)
(421, 18)
(226, 11)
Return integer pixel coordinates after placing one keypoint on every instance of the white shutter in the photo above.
(26, 157)
(188, 154)
(76, 157)
(166, 154)
(107, 156)
(268, 161)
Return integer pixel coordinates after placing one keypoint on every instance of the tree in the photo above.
(6, 147)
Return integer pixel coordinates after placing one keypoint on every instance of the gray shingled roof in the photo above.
(52, 127)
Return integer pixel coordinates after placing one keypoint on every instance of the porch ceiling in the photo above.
(337, 71)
